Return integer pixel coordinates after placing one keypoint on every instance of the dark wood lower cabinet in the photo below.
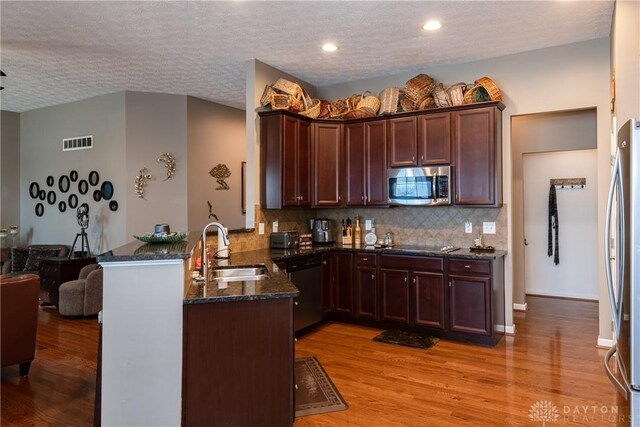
(395, 295)
(238, 364)
(470, 304)
(366, 295)
(428, 299)
(343, 283)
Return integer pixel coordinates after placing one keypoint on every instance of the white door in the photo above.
(576, 276)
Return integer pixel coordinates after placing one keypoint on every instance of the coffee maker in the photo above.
(322, 230)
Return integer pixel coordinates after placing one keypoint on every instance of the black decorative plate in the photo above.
(39, 209)
(51, 197)
(50, 181)
(62, 206)
(107, 190)
(113, 205)
(64, 183)
(42, 195)
(73, 201)
(94, 178)
(97, 195)
(34, 190)
(73, 175)
(83, 186)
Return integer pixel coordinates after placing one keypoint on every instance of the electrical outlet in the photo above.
(488, 228)
(468, 227)
(274, 226)
(261, 228)
(367, 224)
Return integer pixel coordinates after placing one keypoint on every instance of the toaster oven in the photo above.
(285, 240)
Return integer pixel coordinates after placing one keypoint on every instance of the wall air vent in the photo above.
(79, 143)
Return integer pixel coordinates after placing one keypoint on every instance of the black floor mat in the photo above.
(407, 339)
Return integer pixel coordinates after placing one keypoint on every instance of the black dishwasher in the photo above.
(305, 273)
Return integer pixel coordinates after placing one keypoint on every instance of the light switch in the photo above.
(468, 227)
(261, 228)
(274, 226)
(488, 228)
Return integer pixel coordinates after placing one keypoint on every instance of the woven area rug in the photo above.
(407, 339)
(316, 393)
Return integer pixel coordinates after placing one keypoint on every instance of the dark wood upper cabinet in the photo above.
(327, 147)
(434, 142)
(366, 163)
(285, 161)
(477, 150)
(403, 142)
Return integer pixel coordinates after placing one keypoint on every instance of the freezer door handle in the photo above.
(624, 391)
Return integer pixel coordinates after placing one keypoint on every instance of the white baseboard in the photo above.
(520, 307)
(509, 330)
(604, 343)
(561, 295)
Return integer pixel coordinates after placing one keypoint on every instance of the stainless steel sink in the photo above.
(240, 272)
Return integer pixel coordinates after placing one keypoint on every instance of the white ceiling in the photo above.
(57, 52)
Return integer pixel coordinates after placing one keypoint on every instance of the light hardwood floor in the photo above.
(552, 357)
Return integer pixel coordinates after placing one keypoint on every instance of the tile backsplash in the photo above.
(438, 226)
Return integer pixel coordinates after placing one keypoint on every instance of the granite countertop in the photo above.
(276, 286)
(140, 251)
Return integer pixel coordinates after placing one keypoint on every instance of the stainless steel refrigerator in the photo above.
(623, 274)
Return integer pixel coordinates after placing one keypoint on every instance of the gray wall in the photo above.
(156, 123)
(260, 74)
(10, 164)
(215, 134)
(41, 155)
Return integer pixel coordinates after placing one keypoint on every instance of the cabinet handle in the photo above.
(413, 158)
(414, 280)
(295, 302)
(366, 198)
(373, 276)
(365, 259)
(339, 198)
(467, 266)
(405, 280)
(422, 157)
(324, 262)
(449, 283)
(295, 340)
(296, 386)
(362, 198)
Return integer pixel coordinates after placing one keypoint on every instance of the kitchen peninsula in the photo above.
(177, 351)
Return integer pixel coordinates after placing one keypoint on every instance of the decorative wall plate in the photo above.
(94, 178)
(73, 201)
(51, 197)
(34, 190)
(73, 175)
(39, 209)
(62, 206)
(113, 205)
(64, 183)
(50, 181)
(42, 195)
(107, 190)
(83, 186)
(97, 195)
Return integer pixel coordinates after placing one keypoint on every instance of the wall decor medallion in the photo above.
(107, 190)
(51, 197)
(141, 182)
(73, 201)
(39, 209)
(169, 162)
(220, 173)
(34, 190)
(94, 178)
(97, 195)
(64, 183)
(113, 205)
(73, 175)
(83, 186)
(62, 206)
(50, 181)
(42, 195)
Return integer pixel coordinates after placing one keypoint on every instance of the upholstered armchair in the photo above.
(82, 297)
(19, 320)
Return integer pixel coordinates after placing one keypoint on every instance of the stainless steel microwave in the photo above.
(426, 186)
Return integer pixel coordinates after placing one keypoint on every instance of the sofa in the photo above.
(27, 260)
(18, 320)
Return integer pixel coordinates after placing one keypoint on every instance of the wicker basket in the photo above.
(407, 104)
(426, 103)
(456, 93)
(372, 102)
(476, 94)
(389, 100)
(419, 86)
(265, 99)
(359, 113)
(280, 101)
(325, 109)
(313, 111)
(296, 105)
(490, 87)
(339, 107)
(440, 96)
(290, 88)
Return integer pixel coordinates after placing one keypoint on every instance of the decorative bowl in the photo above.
(169, 238)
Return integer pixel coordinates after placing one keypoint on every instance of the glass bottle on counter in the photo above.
(357, 238)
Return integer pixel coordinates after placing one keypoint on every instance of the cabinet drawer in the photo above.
(368, 260)
(470, 266)
(421, 263)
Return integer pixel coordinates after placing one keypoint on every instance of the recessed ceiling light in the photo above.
(432, 25)
(329, 47)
